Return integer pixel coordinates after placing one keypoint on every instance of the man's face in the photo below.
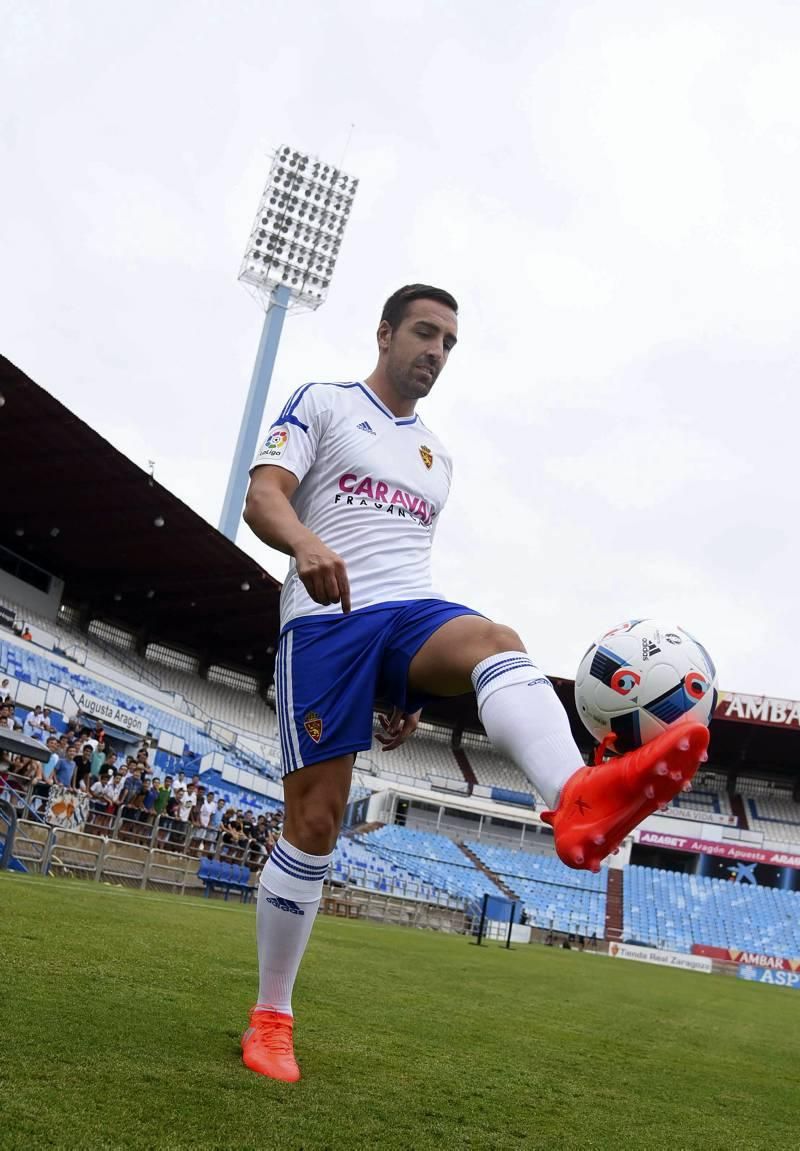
(70, 753)
(417, 349)
(51, 745)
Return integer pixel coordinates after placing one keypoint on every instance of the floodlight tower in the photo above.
(288, 263)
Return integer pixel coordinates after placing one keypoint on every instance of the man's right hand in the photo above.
(323, 573)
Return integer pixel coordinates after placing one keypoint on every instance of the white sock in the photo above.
(289, 893)
(524, 720)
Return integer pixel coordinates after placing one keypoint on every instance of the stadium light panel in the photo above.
(298, 229)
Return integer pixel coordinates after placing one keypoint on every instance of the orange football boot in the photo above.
(599, 805)
(267, 1045)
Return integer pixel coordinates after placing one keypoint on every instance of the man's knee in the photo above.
(502, 638)
(314, 828)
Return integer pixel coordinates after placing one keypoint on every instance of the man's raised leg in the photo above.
(592, 808)
(289, 894)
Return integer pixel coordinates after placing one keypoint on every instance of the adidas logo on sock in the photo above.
(364, 427)
(284, 904)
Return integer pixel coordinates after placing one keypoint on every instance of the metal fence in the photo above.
(122, 849)
(130, 825)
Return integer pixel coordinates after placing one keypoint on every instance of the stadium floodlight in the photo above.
(288, 263)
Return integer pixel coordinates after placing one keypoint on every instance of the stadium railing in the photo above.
(127, 824)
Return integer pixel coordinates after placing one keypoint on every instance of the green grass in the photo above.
(122, 1013)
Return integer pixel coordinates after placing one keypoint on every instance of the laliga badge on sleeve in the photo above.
(275, 444)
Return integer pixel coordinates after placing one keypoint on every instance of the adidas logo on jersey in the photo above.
(364, 427)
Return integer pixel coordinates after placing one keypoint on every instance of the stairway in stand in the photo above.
(466, 767)
(614, 904)
(740, 811)
(472, 857)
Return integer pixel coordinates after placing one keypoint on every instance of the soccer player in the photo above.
(350, 483)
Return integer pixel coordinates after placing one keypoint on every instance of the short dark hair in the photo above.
(396, 306)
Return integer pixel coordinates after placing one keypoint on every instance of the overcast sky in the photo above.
(609, 189)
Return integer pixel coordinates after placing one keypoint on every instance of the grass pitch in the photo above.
(122, 1013)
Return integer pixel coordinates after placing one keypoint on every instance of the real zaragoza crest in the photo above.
(313, 725)
(427, 456)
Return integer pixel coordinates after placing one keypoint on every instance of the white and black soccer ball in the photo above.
(641, 677)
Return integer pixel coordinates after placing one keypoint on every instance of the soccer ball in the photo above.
(641, 677)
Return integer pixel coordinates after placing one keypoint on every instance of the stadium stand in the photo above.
(435, 859)
(554, 895)
(356, 862)
(29, 664)
(239, 708)
(673, 910)
(491, 770)
(778, 819)
(427, 756)
(717, 803)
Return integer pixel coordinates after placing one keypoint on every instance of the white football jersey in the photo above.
(371, 488)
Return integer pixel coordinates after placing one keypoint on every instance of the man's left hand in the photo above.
(398, 727)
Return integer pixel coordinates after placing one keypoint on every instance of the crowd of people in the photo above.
(128, 795)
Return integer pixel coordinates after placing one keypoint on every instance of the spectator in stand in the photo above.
(164, 795)
(47, 721)
(115, 788)
(234, 842)
(172, 821)
(83, 768)
(133, 814)
(205, 815)
(44, 776)
(101, 806)
(32, 727)
(7, 717)
(180, 783)
(98, 751)
(215, 822)
(27, 634)
(65, 768)
(151, 795)
(110, 761)
(188, 803)
(6, 768)
(133, 784)
(5, 690)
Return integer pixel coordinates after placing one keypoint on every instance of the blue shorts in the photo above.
(330, 670)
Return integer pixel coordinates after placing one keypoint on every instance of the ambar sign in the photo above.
(103, 710)
(761, 709)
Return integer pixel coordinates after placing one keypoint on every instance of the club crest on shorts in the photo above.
(427, 456)
(313, 725)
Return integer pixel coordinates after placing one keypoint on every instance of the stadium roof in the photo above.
(81, 510)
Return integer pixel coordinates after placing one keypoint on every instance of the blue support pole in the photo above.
(253, 412)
